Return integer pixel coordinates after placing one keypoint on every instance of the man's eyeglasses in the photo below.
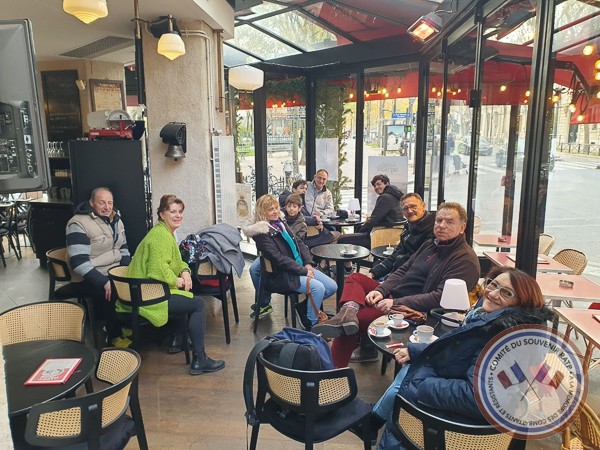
(505, 293)
(409, 208)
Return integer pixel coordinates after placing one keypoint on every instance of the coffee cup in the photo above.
(424, 333)
(389, 249)
(380, 327)
(348, 248)
(397, 318)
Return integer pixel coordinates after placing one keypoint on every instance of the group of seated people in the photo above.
(96, 242)
(432, 249)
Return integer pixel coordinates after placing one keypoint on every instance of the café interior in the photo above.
(493, 104)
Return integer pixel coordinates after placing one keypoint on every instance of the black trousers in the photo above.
(179, 306)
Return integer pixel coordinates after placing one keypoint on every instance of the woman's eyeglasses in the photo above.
(505, 293)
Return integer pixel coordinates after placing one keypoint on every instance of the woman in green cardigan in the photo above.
(158, 257)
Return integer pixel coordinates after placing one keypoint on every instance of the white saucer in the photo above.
(386, 332)
(453, 315)
(388, 253)
(352, 220)
(413, 338)
(404, 325)
(345, 253)
(323, 219)
(334, 217)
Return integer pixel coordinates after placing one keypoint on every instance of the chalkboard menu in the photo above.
(61, 104)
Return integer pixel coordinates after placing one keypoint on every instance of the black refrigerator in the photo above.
(117, 165)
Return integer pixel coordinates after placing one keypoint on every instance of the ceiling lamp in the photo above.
(86, 10)
(170, 43)
(425, 27)
(246, 78)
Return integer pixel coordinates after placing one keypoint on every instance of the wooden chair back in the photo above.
(573, 259)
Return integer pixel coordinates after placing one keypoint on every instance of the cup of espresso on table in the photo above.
(397, 318)
(424, 333)
(380, 327)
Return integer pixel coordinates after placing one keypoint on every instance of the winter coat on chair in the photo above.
(273, 246)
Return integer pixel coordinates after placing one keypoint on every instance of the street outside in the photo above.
(572, 209)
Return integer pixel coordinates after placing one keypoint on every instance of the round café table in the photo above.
(338, 224)
(402, 336)
(23, 358)
(334, 252)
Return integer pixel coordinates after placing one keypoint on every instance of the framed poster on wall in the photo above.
(107, 94)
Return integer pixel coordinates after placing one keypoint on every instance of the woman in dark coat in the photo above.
(440, 375)
(291, 259)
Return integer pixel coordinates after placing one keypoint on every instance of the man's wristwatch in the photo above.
(186, 270)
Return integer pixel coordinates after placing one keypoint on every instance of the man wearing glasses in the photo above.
(418, 283)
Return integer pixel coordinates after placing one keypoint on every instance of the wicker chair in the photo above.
(545, 244)
(59, 271)
(419, 430)
(267, 267)
(209, 281)
(583, 433)
(380, 237)
(140, 292)
(97, 419)
(573, 259)
(319, 405)
(476, 224)
(42, 321)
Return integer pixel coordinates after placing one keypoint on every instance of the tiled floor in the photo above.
(207, 411)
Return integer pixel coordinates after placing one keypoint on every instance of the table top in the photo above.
(338, 223)
(404, 334)
(545, 263)
(583, 321)
(583, 288)
(491, 240)
(334, 252)
(378, 252)
(22, 359)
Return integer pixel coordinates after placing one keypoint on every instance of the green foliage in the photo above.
(330, 121)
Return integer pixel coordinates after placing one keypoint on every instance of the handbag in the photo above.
(410, 314)
(321, 316)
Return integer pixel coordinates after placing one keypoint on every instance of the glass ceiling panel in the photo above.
(262, 9)
(258, 43)
(233, 57)
(302, 31)
(363, 26)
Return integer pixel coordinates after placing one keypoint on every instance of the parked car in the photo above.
(502, 152)
(486, 148)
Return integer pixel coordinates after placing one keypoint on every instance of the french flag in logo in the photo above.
(543, 376)
(514, 376)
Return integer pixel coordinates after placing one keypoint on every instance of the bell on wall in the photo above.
(175, 151)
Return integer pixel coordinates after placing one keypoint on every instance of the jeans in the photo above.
(321, 287)
(384, 408)
(255, 275)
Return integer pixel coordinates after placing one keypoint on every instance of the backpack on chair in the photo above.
(290, 348)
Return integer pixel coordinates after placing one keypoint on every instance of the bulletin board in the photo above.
(107, 94)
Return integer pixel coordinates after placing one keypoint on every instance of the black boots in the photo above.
(177, 344)
(203, 364)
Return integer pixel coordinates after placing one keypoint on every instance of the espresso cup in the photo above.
(380, 327)
(389, 249)
(424, 333)
(397, 318)
(348, 248)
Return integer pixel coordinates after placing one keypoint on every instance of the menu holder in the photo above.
(53, 371)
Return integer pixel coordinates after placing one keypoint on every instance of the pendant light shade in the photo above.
(170, 44)
(246, 78)
(86, 10)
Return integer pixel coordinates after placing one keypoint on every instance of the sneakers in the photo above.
(122, 342)
(344, 323)
(263, 312)
(364, 354)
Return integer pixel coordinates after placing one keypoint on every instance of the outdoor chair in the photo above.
(42, 321)
(210, 281)
(309, 406)
(418, 429)
(267, 267)
(8, 230)
(545, 244)
(139, 292)
(59, 271)
(476, 224)
(574, 259)
(98, 419)
(583, 433)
